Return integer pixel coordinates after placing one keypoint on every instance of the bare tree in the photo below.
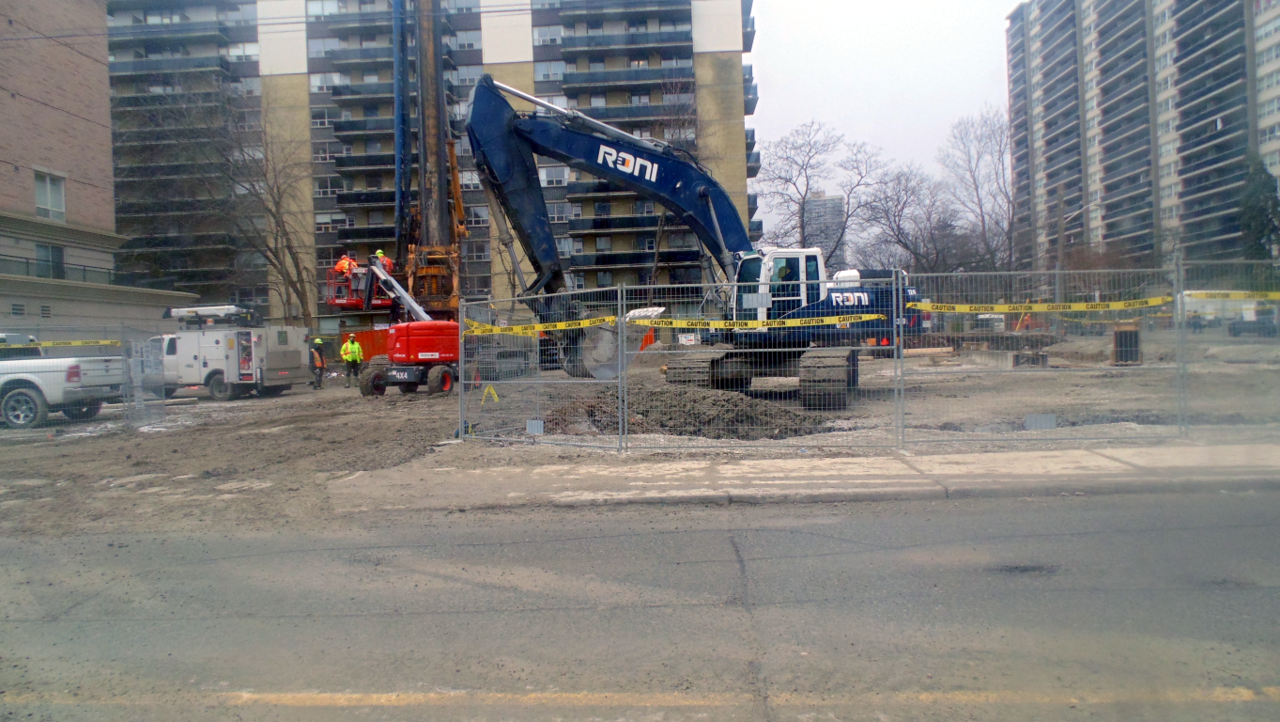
(915, 224)
(795, 171)
(977, 158)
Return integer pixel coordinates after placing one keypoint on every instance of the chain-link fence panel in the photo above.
(1050, 358)
(725, 365)
(62, 376)
(544, 369)
(1231, 346)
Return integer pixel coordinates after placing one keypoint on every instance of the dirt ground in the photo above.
(262, 463)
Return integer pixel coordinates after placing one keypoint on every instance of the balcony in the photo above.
(150, 172)
(367, 162)
(358, 21)
(753, 204)
(174, 206)
(367, 233)
(575, 45)
(753, 164)
(152, 136)
(186, 99)
(142, 245)
(168, 66)
(634, 258)
(755, 229)
(374, 198)
(625, 78)
(31, 268)
(364, 127)
(211, 31)
(751, 139)
(653, 111)
(750, 98)
(583, 226)
(748, 34)
(361, 93)
(361, 56)
(595, 189)
(582, 10)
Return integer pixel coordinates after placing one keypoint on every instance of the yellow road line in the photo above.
(977, 698)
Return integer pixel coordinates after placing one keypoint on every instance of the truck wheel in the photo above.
(219, 389)
(84, 412)
(373, 379)
(408, 388)
(440, 380)
(24, 408)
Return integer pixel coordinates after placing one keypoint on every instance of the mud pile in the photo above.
(656, 407)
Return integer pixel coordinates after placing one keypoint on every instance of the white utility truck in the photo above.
(32, 384)
(232, 353)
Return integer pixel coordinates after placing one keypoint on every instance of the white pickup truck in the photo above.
(33, 384)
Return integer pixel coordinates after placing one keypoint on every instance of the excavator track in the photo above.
(826, 378)
(693, 369)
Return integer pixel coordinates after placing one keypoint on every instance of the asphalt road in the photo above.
(1115, 608)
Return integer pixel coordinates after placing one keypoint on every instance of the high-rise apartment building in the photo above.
(1132, 121)
(668, 69)
(824, 224)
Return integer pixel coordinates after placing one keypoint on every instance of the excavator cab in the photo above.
(775, 282)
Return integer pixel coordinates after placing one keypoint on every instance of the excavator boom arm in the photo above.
(504, 143)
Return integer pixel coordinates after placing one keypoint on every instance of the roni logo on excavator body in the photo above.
(627, 163)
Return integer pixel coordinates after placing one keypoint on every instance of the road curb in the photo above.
(936, 490)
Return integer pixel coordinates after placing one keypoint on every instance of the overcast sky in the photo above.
(892, 74)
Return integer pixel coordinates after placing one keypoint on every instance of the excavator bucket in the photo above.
(600, 343)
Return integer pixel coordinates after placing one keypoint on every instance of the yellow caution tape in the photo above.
(1235, 295)
(475, 328)
(59, 344)
(1041, 307)
(779, 323)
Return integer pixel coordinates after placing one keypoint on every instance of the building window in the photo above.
(677, 62)
(637, 63)
(324, 117)
(604, 244)
(51, 198)
(49, 261)
(465, 74)
(46, 312)
(318, 8)
(1268, 55)
(682, 241)
(552, 176)
(568, 246)
(240, 52)
(328, 186)
(646, 208)
(467, 40)
(595, 65)
(646, 243)
(640, 98)
(477, 215)
(688, 133)
(604, 209)
(17, 310)
(599, 100)
(470, 180)
(604, 279)
(677, 99)
(1167, 149)
(553, 70)
(465, 6)
(579, 281)
(317, 47)
(1266, 135)
(325, 82)
(548, 34)
(1168, 192)
(559, 212)
(329, 222)
(1167, 126)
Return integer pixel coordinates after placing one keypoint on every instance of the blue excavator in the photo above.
(772, 284)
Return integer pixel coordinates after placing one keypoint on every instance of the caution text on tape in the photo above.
(59, 344)
(1041, 307)
(1235, 295)
(779, 323)
(483, 329)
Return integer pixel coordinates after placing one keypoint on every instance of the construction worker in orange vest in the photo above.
(345, 265)
(387, 263)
